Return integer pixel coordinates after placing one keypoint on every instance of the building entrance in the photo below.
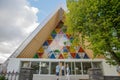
(48, 66)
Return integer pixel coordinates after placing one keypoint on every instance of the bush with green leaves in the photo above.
(2, 77)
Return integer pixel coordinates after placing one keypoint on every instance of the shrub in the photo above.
(2, 77)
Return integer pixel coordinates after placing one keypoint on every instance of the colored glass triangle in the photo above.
(72, 50)
(40, 55)
(65, 49)
(36, 56)
(41, 50)
(45, 43)
(65, 54)
(86, 56)
(58, 51)
(53, 35)
(60, 56)
(80, 50)
(73, 55)
(49, 41)
(52, 56)
(50, 38)
(57, 30)
(53, 32)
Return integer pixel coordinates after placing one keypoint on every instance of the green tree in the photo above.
(97, 21)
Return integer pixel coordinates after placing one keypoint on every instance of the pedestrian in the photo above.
(63, 69)
(67, 72)
(57, 71)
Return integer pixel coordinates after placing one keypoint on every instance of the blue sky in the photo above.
(45, 7)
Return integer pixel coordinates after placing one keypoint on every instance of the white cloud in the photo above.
(17, 20)
(3, 57)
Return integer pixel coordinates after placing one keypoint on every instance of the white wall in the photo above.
(109, 70)
(13, 65)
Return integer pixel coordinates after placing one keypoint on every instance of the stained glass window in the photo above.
(58, 46)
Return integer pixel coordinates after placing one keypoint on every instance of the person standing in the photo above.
(57, 71)
(67, 72)
(63, 69)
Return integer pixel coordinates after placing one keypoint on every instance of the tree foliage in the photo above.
(98, 21)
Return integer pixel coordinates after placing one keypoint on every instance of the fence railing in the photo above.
(10, 75)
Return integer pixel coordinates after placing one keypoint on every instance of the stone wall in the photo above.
(26, 74)
(95, 74)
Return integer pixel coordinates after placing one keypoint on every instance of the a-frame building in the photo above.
(49, 45)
